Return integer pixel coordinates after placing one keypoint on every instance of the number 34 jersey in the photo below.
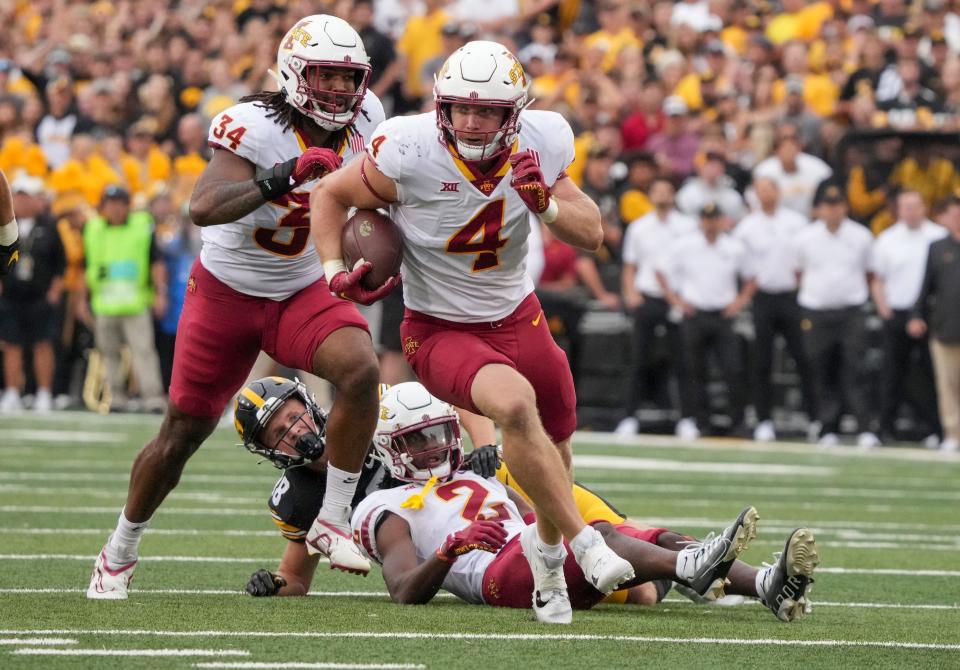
(465, 235)
(449, 507)
(269, 253)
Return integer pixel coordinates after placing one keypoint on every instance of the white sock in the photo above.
(586, 538)
(341, 486)
(761, 575)
(125, 541)
(553, 554)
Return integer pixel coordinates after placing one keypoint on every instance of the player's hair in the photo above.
(286, 115)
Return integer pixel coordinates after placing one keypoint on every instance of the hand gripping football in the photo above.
(370, 235)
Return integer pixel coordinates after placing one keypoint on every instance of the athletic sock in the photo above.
(125, 541)
(553, 554)
(586, 538)
(341, 487)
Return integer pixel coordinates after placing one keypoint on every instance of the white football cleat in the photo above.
(627, 427)
(551, 604)
(110, 583)
(703, 565)
(335, 541)
(602, 567)
(687, 430)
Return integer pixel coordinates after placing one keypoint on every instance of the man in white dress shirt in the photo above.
(646, 240)
(699, 278)
(833, 263)
(768, 234)
(797, 174)
(899, 259)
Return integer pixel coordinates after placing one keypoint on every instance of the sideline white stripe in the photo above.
(36, 640)
(889, 571)
(130, 652)
(334, 666)
(385, 594)
(648, 464)
(511, 637)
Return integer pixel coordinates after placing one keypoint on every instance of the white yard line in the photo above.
(118, 493)
(193, 511)
(130, 652)
(384, 594)
(144, 559)
(153, 531)
(621, 463)
(295, 664)
(507, 637)
(6, 641)
(64, 436)
(82, 476)
(704, 522)
(642, 488)
(728, 444)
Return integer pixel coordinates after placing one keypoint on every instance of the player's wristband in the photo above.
(275, 181)
(332, 268)
(443, 557)
(9, 233)
(549, 215)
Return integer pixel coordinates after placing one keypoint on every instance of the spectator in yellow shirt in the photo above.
(615, 33)
(419, 43)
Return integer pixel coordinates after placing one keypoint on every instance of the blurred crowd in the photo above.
(703, 113)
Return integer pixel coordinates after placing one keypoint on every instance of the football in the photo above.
(370, 235)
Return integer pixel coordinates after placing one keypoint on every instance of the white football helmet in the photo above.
(322, 41)
(487, 74)
(418, 435)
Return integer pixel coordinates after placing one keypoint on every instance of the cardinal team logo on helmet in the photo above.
(484, 74)
(418, 435)
(314, 43)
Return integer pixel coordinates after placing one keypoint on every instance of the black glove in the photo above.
(484, 461)
(264, 583)
(7, 257)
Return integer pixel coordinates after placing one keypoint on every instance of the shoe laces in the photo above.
(703, 546)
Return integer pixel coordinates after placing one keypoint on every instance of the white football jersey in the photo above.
(465, 237)
(269, 252)
(449, 507)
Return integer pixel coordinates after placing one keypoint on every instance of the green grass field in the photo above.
(887, 594)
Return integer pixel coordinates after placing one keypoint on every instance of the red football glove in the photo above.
(482, 534)
(528, 182)
(347, 285)
(313, 164)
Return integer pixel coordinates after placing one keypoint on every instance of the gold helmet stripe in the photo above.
(251, 395)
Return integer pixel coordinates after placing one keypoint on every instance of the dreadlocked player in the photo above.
(258, 285)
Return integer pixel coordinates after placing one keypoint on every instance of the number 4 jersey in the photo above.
(465, 234)
(269, 253)
(446, 509)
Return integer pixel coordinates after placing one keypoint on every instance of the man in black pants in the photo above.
(699, 278)
(899, 259)
(833, 260)
(768, 234)
(647, 240)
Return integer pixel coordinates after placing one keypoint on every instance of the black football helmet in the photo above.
(259, 401)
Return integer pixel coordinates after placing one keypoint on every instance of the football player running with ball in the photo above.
(258, 285)
(463, 184)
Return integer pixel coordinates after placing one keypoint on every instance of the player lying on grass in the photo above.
(288, 430)
(781, 587)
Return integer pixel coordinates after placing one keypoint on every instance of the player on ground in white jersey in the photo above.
(258, 285)
(462, 184)
(468, 535)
